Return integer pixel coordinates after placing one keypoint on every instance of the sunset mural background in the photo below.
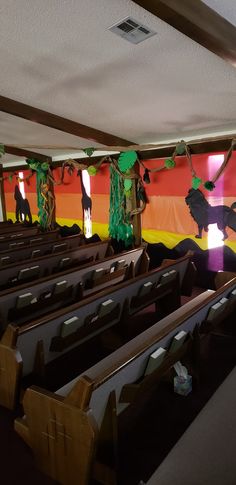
(166, 218)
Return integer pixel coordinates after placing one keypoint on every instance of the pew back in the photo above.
(78, 284)
(22, 240)
(48, 338)
(39, 248)
(14, 274)
(48, 328)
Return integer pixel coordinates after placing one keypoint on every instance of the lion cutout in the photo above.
(204, 213)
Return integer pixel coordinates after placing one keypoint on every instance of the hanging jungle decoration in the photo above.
(45, 193)
(120, 227)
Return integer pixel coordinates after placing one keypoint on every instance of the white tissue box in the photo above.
(183, 385)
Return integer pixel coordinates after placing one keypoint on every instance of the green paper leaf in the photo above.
(127, 160)
(180, 149)
(209, 185)
(128, 194)
(44, 166)
(127, 184)
(169, 163)
(196, 182)
(92, 170)
(2, 150)
(10, 178)
(89, 151)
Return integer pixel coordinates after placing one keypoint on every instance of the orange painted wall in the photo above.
(166, 211)
(68, 197)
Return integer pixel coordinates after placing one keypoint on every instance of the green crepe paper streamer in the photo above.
(196, 182)
(2, 150)
(180, 149)
(92, 170)
(41, 178)
(89, 151)
(169, 163)
(119, 226)
(127, 184)
(10, 178)
(127, 160)
(209, 185)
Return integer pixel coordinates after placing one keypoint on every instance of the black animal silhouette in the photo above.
(204, 214)
(22, 207)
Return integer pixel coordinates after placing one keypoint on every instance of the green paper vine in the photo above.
(127, 160)
(169, 163)
(180, 149)
(92, 170)
(209, 185)
(89, 151)
(196, 182)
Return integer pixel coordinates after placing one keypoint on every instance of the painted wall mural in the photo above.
(167, 218)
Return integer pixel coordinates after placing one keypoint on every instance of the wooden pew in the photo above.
(8, 229)
(49, 337)
(69, 430)
(19, 233)
(205, 454)
(40, 248)
(14, 274)
(22, 240)
(50, 293)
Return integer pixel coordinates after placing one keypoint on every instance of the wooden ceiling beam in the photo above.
(20, 152)
(36, 115)
(198, 147)
(198, 22)
(204, 146)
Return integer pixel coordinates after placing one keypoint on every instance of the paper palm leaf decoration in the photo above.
(127, 160)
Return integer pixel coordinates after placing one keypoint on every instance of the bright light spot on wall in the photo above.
(22, 185)
(215, 236)
(22, 189)
(87, 213)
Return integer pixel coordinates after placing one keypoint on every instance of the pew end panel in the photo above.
(63, 438)
(11, 366)
(144, 263)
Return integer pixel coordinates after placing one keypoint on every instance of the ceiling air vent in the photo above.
(132, 30)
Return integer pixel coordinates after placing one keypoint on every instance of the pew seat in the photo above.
(205, 454)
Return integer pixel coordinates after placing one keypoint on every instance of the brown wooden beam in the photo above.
(210, 145)
(57, 122)
(199, 22)
(20, 152)
(198, 147)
